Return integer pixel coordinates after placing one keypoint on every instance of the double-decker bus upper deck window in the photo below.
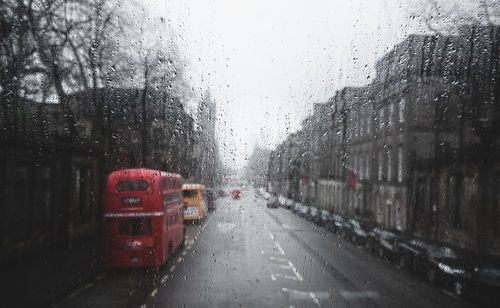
(131, 185)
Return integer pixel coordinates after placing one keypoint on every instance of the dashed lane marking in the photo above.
(164, 279)
(143, 306)
(154, 292)
(85, 287)
(100, 277)
(359, 294)
(295, 295)
(271, 236)
(179, 259)
(172, 268)
(299, 277)
(184, 253)
(278, 259)
(314, 298)
(279, 248)
(275, 277)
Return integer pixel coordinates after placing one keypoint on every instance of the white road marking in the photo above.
(164, 279)
(274, 277)
(143, 306)
(359, 294)
(305, 295)
(271, 236)
(154, 292)
(184, 252)
(225, 227)
(278, 259)
(172, 268)
(179, 259)
(314, 298)
(299, 277)
(85, 287)
(279, 248)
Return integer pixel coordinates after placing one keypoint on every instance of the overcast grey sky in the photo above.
(267, 62)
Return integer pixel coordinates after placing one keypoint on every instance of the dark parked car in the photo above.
(355, 232)
(313, 214)
(483, 285)
(325, 218)
(302, 210)
(336, 224)
(289, 203)
(440, 264)
(384, 243)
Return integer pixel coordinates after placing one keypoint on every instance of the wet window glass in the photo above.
(131, 185)
(251, 153)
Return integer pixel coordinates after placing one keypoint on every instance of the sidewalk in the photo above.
(47, 277)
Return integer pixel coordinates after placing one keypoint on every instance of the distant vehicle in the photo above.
(210, 196)
(272, 202)
(143, 217)
(236, 194)
(221, 193)
(194, 202)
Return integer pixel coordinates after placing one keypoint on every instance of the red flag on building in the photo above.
(351, 179)
(305, 179)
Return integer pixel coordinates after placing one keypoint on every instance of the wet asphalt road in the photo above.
(245, 255)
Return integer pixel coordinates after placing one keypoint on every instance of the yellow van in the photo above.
(195, 205)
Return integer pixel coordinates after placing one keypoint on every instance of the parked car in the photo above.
(266, 195)
(296, 207)
(384, 243)
(272, 202)
(441, 265)
(355, 233)
(303, 210)
(483, 285)
(313, 214)
(289, 204)
(336, 224)
(281, 200)
(324, 218)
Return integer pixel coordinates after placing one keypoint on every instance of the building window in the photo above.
(381, 118)
(390, 115)
(380, 165)
(368, 124)
(367, 166)
(402, 110)
(389, 165)
(400, 164)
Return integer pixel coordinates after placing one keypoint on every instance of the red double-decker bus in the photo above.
(143, 214)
